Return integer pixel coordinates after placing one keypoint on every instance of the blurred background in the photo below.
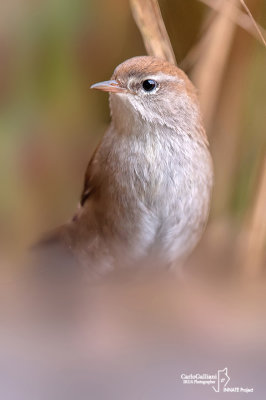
(50, 122)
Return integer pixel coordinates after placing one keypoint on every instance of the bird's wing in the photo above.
(55, 248)
(88, 186)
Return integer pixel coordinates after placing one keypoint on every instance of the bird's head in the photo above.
(152, 90)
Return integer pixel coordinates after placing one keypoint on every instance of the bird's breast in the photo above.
(154, 187)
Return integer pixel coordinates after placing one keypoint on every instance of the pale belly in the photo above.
(158, 220)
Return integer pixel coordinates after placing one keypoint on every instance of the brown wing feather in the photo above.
(88, 187)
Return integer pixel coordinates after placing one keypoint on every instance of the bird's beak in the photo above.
(109, 86)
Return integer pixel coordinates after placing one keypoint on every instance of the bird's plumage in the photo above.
(147, 188)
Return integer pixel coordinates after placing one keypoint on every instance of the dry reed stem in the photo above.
(149, 20)
(246, 22)
(209, 70)
(258, 29)
(253, 238)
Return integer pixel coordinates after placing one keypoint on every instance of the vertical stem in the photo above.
(209, 71)
(149, 20)
(253, 238)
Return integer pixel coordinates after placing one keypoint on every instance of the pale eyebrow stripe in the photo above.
(158, 77)
(163, 77)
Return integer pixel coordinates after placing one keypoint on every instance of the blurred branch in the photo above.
(214, 51)
(253, 238)
(211, 54)
(149, 20)
(246, 22)
(258, 29)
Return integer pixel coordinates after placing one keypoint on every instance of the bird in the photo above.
(147, 188)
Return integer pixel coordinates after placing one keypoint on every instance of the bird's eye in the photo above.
(149, 85)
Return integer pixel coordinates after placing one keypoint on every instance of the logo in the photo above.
(218, 382)
(222, 380)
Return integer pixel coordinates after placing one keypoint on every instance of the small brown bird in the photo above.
(147, 188)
